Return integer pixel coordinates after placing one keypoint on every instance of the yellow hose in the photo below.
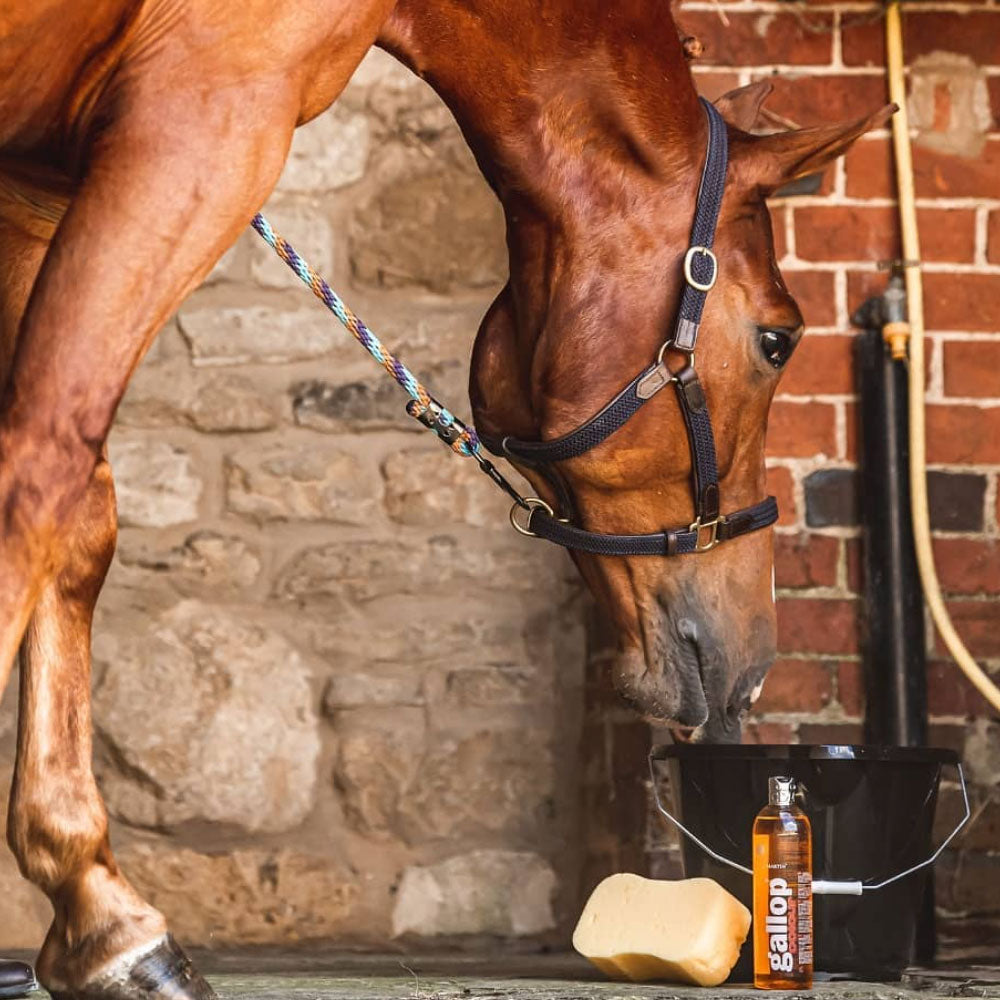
(915, 310)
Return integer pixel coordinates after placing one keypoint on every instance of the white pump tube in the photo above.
(821, 887)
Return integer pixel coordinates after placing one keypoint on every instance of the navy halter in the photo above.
(710, 527)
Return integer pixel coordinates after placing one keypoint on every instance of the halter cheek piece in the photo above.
(710, 527)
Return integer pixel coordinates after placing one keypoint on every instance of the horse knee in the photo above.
(43, 482)
(57, 831)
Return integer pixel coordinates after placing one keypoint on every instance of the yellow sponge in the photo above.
(637, 928)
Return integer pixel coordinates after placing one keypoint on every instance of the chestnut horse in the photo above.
(137, 140)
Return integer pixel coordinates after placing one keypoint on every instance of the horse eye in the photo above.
(777, 346)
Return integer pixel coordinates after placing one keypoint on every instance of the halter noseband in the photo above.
(710, 527)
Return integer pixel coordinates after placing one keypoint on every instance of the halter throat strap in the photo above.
(710, 527)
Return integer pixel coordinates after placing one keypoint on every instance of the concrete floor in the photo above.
(271, 976)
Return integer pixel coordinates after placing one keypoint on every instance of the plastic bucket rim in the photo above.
(805, 751)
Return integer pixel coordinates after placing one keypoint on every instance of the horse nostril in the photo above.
(692, 703)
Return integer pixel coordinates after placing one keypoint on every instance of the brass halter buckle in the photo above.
(701, 286)
(700, 528)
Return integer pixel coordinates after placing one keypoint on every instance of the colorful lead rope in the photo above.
(461, 438)
(424, 407)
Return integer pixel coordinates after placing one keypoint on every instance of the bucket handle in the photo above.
(820, 887)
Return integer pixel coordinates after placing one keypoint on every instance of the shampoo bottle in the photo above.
(782, 892)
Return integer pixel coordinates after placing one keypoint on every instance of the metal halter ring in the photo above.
(668, 345)
(531, 504)
(702, 286)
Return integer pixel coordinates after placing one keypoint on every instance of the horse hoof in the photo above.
(16, 979)
(164, 973)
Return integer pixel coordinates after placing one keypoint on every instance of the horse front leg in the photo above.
(58, 826)
(169, 186)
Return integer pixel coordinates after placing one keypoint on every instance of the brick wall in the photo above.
(827, 63)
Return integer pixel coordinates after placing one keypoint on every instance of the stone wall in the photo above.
(325, 683)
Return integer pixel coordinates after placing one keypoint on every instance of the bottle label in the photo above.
(788, 922)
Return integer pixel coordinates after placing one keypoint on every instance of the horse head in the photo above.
(595, 142)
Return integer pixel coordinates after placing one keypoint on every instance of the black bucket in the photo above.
(872, 814)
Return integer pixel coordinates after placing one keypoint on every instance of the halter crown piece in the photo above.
(532, 515)
(710, 527)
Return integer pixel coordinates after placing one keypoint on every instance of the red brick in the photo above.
(863, 38)
(819, 100)
(962, 301)
(870, 172)
(950, 693)
(850, 687)
(855, 565)
(862, 285)
(869, 169)
(814, 292)
(993, 234)
(963, 435)
(853, 232)
(629, 749)
(852, 431)
(978, 623)
(779, 213)
(801, 430)
(781, 486)
(846, 232)
(993, 85)
(714, 84)
(842, 734)
(968, 565)
(969, 883)
(821, 364)
(971, 33)
(941, 175)
(948, 737)
(972, 368)
(956, 500)
(779, 733)
(818, 625)
(983, 831)
(760, 39)
(949, 234)
(796, 686)
(832, 498)
(806, 560)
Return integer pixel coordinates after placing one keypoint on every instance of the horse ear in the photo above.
(741, 107)
(786, 156)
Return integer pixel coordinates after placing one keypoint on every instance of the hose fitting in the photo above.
(897, 337)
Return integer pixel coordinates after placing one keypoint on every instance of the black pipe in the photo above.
(895, 664)
(895, 659)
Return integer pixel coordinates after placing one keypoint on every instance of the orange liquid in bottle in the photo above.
(782, 893)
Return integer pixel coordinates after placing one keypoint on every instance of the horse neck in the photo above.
(570, 107)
